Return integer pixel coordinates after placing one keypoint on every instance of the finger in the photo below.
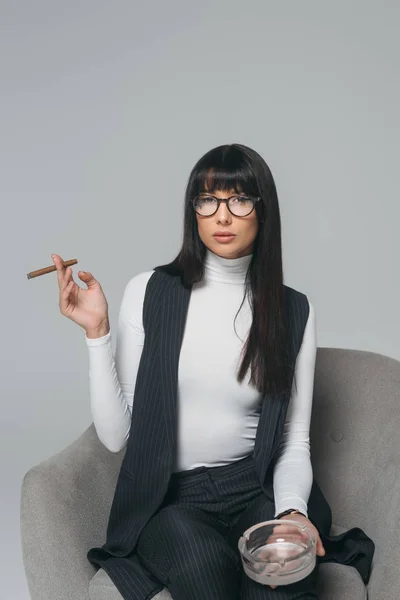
(68, 276)
(320, 550)
(65, 296)
(59, 263)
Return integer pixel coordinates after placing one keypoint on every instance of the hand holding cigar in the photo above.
(88, 308)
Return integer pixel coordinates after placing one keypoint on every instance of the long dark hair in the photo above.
(238, 167)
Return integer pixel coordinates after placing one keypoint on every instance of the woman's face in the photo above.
(244, 229)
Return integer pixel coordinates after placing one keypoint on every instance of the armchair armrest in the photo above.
(65, 504)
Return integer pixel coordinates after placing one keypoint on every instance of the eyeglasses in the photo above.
(239, 206)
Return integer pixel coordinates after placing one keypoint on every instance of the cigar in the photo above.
(67, 263)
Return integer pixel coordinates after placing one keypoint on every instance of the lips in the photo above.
(223, 234)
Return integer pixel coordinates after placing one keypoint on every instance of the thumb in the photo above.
(87, 278)
(320, 549)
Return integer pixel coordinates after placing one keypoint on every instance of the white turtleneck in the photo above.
(218, 416)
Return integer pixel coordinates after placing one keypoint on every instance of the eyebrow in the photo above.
(210, 194)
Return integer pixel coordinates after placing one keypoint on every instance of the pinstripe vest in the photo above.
(150, 451)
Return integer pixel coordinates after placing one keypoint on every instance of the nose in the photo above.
(223, 213)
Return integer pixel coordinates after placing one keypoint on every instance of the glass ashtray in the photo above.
(278, 552)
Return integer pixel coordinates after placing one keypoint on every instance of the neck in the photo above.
(225, 270)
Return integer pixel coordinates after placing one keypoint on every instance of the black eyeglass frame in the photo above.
(226, 200)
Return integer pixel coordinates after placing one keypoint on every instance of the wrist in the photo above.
(98, 332)
(290, 511)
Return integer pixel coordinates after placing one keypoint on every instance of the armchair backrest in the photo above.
(355, 444)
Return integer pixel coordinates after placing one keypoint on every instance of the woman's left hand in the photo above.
(320, 550)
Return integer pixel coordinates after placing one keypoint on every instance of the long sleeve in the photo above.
(293, 473)
(112, 378)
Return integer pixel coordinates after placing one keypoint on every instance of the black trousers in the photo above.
(190, 543)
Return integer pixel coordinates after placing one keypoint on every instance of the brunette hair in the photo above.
(238, 167)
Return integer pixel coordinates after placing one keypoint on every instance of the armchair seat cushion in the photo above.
(102, 588)
(334, 581)
(340, 581)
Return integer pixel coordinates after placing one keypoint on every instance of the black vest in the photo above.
(150, 453)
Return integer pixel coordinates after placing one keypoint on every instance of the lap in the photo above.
(185, 539)
(180, 539)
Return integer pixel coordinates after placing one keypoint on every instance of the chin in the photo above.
(224, 251)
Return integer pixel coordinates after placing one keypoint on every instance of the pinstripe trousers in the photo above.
(190, 543)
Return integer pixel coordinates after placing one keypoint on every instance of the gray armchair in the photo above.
(355, 442)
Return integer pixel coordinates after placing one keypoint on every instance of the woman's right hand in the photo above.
(88, 308)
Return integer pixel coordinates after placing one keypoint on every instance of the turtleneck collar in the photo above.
(225, 270)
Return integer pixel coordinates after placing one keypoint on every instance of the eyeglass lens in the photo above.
(240, 206)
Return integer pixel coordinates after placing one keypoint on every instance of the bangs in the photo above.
(224, 171)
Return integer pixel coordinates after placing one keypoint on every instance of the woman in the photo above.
(236, 325)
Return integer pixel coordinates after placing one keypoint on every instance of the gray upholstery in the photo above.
(66, 499)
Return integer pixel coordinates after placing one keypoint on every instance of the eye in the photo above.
(241, 199)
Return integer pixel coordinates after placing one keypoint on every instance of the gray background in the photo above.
(105, 108)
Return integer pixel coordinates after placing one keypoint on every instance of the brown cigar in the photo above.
(67, 263)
